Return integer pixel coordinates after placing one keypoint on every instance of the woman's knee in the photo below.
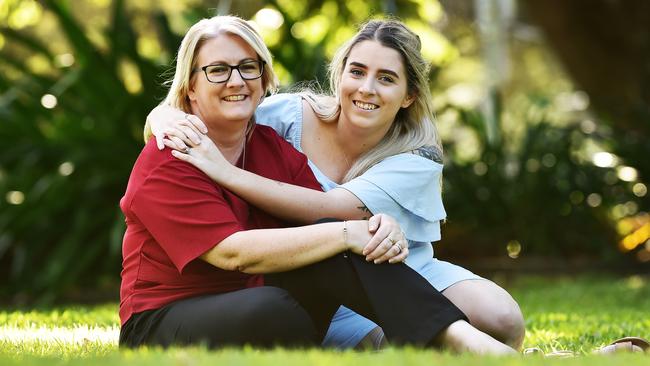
(272, 310)
(271, 303)
(509, 324)
(490, 308)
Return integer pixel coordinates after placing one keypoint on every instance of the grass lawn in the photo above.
(577, 314)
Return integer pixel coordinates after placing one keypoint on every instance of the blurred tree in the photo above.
(73, 123)
(77, 82)
(542, 189)
(605, 46)
(302, 36)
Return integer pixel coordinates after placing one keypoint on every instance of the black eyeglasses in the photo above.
(220, 73)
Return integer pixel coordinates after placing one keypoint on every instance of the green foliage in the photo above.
(313, 29)
(542, 195)
(65, 168)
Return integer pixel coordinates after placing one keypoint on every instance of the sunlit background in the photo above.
(542, 172)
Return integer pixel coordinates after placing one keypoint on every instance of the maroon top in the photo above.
(175, 213)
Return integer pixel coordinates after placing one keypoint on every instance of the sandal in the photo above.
(626, 344)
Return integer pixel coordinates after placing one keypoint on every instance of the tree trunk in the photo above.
(605, 47)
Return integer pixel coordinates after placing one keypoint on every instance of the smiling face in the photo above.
(230, 104)
(373, 87)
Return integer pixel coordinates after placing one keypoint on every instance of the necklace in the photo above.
(243, 153)
(243, 157)
(247, 135)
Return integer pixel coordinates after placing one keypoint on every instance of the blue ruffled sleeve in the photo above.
(407, 187)
(283, 113)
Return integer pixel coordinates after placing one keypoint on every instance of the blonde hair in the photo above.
(196, 36)
(413, 126)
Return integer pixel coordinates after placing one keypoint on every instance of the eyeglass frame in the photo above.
(262, 63)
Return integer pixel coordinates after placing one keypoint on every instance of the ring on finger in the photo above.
(392, 241)
(399, 247)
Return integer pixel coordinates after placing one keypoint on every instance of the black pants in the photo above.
(394, 296)
(404, 304)
(261, 316)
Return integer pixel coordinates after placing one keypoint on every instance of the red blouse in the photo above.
(175, 213)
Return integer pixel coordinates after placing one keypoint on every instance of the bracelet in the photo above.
(345, 233)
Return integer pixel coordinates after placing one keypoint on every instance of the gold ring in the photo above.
(392, 241)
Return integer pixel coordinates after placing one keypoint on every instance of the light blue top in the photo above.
(405, 186)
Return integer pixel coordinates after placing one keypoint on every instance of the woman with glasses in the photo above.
(374, 148)
(194, 252)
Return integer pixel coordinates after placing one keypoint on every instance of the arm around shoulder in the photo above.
(293, 202)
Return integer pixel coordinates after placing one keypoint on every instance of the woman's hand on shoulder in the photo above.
(207, 157)
(383, 239)
(174, 128)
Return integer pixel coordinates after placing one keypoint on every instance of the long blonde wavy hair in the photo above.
(413, 127)
(186, 66)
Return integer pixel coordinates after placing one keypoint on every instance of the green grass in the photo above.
(578, 314)
(584, 313)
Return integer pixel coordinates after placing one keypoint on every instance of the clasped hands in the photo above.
(387, 243)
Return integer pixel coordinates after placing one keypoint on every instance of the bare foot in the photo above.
(462, 337)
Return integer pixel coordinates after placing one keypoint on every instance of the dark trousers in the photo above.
(260, 316)
(404, 304)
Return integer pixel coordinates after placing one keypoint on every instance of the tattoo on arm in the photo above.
(365, 210)
(429, 152)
